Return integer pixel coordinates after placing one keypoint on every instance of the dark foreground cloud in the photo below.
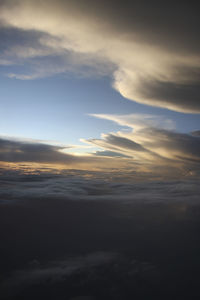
(81, 235)
(92, 268)
(151, 50)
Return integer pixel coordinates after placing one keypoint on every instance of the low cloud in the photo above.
(151, 51)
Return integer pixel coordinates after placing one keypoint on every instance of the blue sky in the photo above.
(115, 84)
(58, 108)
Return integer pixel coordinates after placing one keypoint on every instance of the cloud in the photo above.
(167, 93)
(145, 150)
(81, 185)
(121, 142)
(35, 154)
(196, 133)
(18, 151)
(127, 147)
(53, 272)
(65, 219)
(110, 154)
(150, 144)
(138, 121)
(92, 269)
(152, 50)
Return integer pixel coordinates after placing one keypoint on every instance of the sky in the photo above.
(99, 149)
(88, 84)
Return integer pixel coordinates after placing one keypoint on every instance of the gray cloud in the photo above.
(16, 151)
(151, 50)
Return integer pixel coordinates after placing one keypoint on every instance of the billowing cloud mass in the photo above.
(151, 50)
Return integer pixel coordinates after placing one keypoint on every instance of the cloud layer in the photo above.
(76, 185)
(151, 147)
(152, 51)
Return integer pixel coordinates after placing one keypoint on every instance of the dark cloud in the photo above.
(54, 271)
(169, 24)
(92, 269)
(87, 234)
(143, 243)
(15, 151)
(172, 25)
